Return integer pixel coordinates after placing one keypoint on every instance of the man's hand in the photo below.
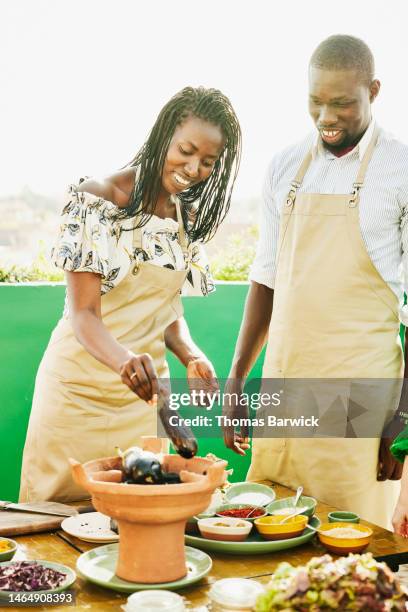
(201, 376)
(400, 518)
(388, 467)
(238, 441)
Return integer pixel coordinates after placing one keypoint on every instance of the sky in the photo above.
(82, 81)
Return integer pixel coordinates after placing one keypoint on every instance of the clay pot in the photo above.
(151, 518)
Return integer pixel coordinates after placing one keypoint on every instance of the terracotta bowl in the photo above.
(151, 518)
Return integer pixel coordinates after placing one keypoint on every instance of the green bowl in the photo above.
(8, 554)
(343, 517)
(249, 489)
(234, 506)
(308, 502)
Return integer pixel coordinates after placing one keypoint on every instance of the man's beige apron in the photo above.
(333, 317)
(81, 408)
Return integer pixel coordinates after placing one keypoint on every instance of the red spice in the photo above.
(242, 512)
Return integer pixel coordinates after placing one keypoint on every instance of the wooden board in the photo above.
(13, 522)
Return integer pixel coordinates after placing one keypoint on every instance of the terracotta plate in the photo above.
(90, 527)
(254, 544)
(98, 566)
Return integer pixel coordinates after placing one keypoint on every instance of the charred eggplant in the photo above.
(180, 435)
(141, 467)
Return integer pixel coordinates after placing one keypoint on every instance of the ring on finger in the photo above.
(133, 375)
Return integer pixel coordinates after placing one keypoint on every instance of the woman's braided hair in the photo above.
(207, 202)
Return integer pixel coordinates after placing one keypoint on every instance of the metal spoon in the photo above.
(286, 518)
(297, 497)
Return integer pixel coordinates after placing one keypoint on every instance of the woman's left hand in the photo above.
(202, 377)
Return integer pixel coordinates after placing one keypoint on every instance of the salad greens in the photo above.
(356, 582)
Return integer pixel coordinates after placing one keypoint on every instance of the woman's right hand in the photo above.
(138, 372)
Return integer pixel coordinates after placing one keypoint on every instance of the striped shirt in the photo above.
(383, 204)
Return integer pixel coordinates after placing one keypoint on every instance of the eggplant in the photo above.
(171, 478)
(141, 467)
(180, 435)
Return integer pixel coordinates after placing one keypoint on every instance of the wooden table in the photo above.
(61, 548)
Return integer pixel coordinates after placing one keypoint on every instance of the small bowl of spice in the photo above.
(8, 549)
(343, 538)
(225, 529)
(272, 528)
(247, 512)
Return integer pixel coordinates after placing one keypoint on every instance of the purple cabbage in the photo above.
(29, 576)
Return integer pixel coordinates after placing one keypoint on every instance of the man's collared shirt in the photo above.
(383, 204)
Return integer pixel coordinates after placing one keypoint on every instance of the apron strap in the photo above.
(138, 231)
(359, 182)
(297, 181)
(137, 238)
(181, 230)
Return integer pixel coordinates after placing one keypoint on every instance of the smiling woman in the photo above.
(128, 245)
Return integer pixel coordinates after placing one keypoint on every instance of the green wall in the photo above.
(28, 314)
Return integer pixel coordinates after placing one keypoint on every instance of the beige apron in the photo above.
(333, 317)
(81, 408)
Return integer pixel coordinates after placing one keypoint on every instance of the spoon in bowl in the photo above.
(289, 516)
(299, 492)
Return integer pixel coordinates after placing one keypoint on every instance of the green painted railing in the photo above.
(28, 313)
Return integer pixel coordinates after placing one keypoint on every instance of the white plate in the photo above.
(91, 527)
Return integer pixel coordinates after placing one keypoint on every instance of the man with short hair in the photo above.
(326, 293)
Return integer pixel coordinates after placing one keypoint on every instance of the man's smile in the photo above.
(331, 136)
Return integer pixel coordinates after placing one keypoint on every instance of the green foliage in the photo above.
(234, 261)
(39, 270)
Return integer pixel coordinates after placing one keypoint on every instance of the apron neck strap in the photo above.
(359, 182)
(137, 232)
(297, 181)
(181, 230)
(357, 185)
(366, 159)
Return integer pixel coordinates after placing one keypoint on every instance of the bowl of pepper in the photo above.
(241, 511)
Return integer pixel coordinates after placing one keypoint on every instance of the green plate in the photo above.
(239, 488)
(254, 545)
(69, 580)
(98, 566)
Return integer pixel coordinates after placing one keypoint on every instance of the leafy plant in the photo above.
(39, 270)
(233, 262)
